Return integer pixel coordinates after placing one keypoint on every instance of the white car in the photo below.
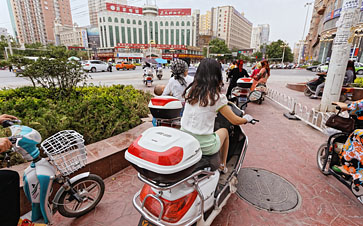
(94, 65)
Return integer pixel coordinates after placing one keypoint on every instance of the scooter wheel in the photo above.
(91, 190)
(321, 158)
(307, 92)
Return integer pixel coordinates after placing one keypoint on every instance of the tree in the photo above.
(218, 46)
(275, 50)
(257, 56)
(4, 43)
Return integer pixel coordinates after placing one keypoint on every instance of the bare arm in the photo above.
(227, 112)
(343, 106)
(5, 117)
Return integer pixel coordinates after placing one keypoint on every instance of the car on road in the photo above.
(125, 66)
(312, 68)
(94, 65)
(323, 68)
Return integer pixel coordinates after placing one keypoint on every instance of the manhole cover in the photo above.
(267, 190)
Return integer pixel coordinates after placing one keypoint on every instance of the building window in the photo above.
(129, 35)
(177, 36)
(140, 23)
(135, 34)
(109, 19)
(183, 24)
(128, 21)
(101, 37)
(111, 36)
(156, 33)
(188, 23)
(105, 32)
(167, 36)
(166, 23)
(123, 34)
(188, 37)
(177, 24)
(183, 37)
(100, 20)
(161, 23)
(172, 24)
(117, 34)
(116, 20)
(140, 36)
(146, 41)
(122, 20)
(172, 36)
(161, 36)
(151, 31)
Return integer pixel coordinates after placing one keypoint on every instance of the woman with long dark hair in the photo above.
(236, 73)
(203, 100)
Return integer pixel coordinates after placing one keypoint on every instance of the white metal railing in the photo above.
(312, 117)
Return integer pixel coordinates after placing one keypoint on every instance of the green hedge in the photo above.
(95, 112)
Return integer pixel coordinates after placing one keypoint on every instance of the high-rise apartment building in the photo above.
(260, 36)
(96, 6)
(33, 20)
(3, 31)
(230, 25)
(205, 23)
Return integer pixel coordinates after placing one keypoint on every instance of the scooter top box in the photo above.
(164, 150)
(165, 107)
(244, 82)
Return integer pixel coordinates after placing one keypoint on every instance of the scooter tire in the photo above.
(307, 92)
(66, 212)
(321, 156)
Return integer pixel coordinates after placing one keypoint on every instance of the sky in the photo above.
(286, 17)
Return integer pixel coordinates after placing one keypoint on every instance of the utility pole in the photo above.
(340, 54)
(283, 53)
(302, 39)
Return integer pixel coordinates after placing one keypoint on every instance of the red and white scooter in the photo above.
(182, 187)
(240, 93)
(148, 77)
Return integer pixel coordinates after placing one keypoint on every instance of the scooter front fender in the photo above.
(61, 189)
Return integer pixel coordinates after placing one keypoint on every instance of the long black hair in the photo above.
(207, 84)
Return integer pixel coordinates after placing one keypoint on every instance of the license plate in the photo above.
(144, 222)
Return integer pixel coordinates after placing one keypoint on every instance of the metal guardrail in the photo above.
(311, 117)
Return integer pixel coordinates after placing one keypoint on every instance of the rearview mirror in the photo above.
(255, 96)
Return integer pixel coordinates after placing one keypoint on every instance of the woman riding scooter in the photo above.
(352, 152)
(262, 76)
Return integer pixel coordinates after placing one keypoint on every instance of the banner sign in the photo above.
(123, 8)
(175, 12)
(146, 46)
(138, 10)
(130, 55)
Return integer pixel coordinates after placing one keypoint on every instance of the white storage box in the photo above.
(164, 150)
(165, 107)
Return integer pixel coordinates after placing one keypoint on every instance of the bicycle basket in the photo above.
(66, 150)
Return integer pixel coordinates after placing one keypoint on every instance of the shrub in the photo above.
(95, 112)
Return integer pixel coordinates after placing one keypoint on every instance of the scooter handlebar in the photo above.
(8, 123)
(254, 121)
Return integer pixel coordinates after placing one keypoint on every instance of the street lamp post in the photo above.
(208, 47)
(302, 42)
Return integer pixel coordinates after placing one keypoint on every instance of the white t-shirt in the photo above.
(200, 120)
(175, 89)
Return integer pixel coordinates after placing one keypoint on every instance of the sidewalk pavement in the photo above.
(285, 147)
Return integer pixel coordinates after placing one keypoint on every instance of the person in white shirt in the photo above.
(203, 100)
(179, 80)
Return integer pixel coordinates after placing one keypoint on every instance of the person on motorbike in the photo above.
(179, 80)
(256, 70)
(237, 73)
(350, 74)
(203, 100)
(262, 76)
(352, 152)
(9, 186)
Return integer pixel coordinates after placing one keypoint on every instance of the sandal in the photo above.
(223, 169)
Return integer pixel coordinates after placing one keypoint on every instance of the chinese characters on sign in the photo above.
(175, 12)
(123, 8)
(145, 46)
(137, 10)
